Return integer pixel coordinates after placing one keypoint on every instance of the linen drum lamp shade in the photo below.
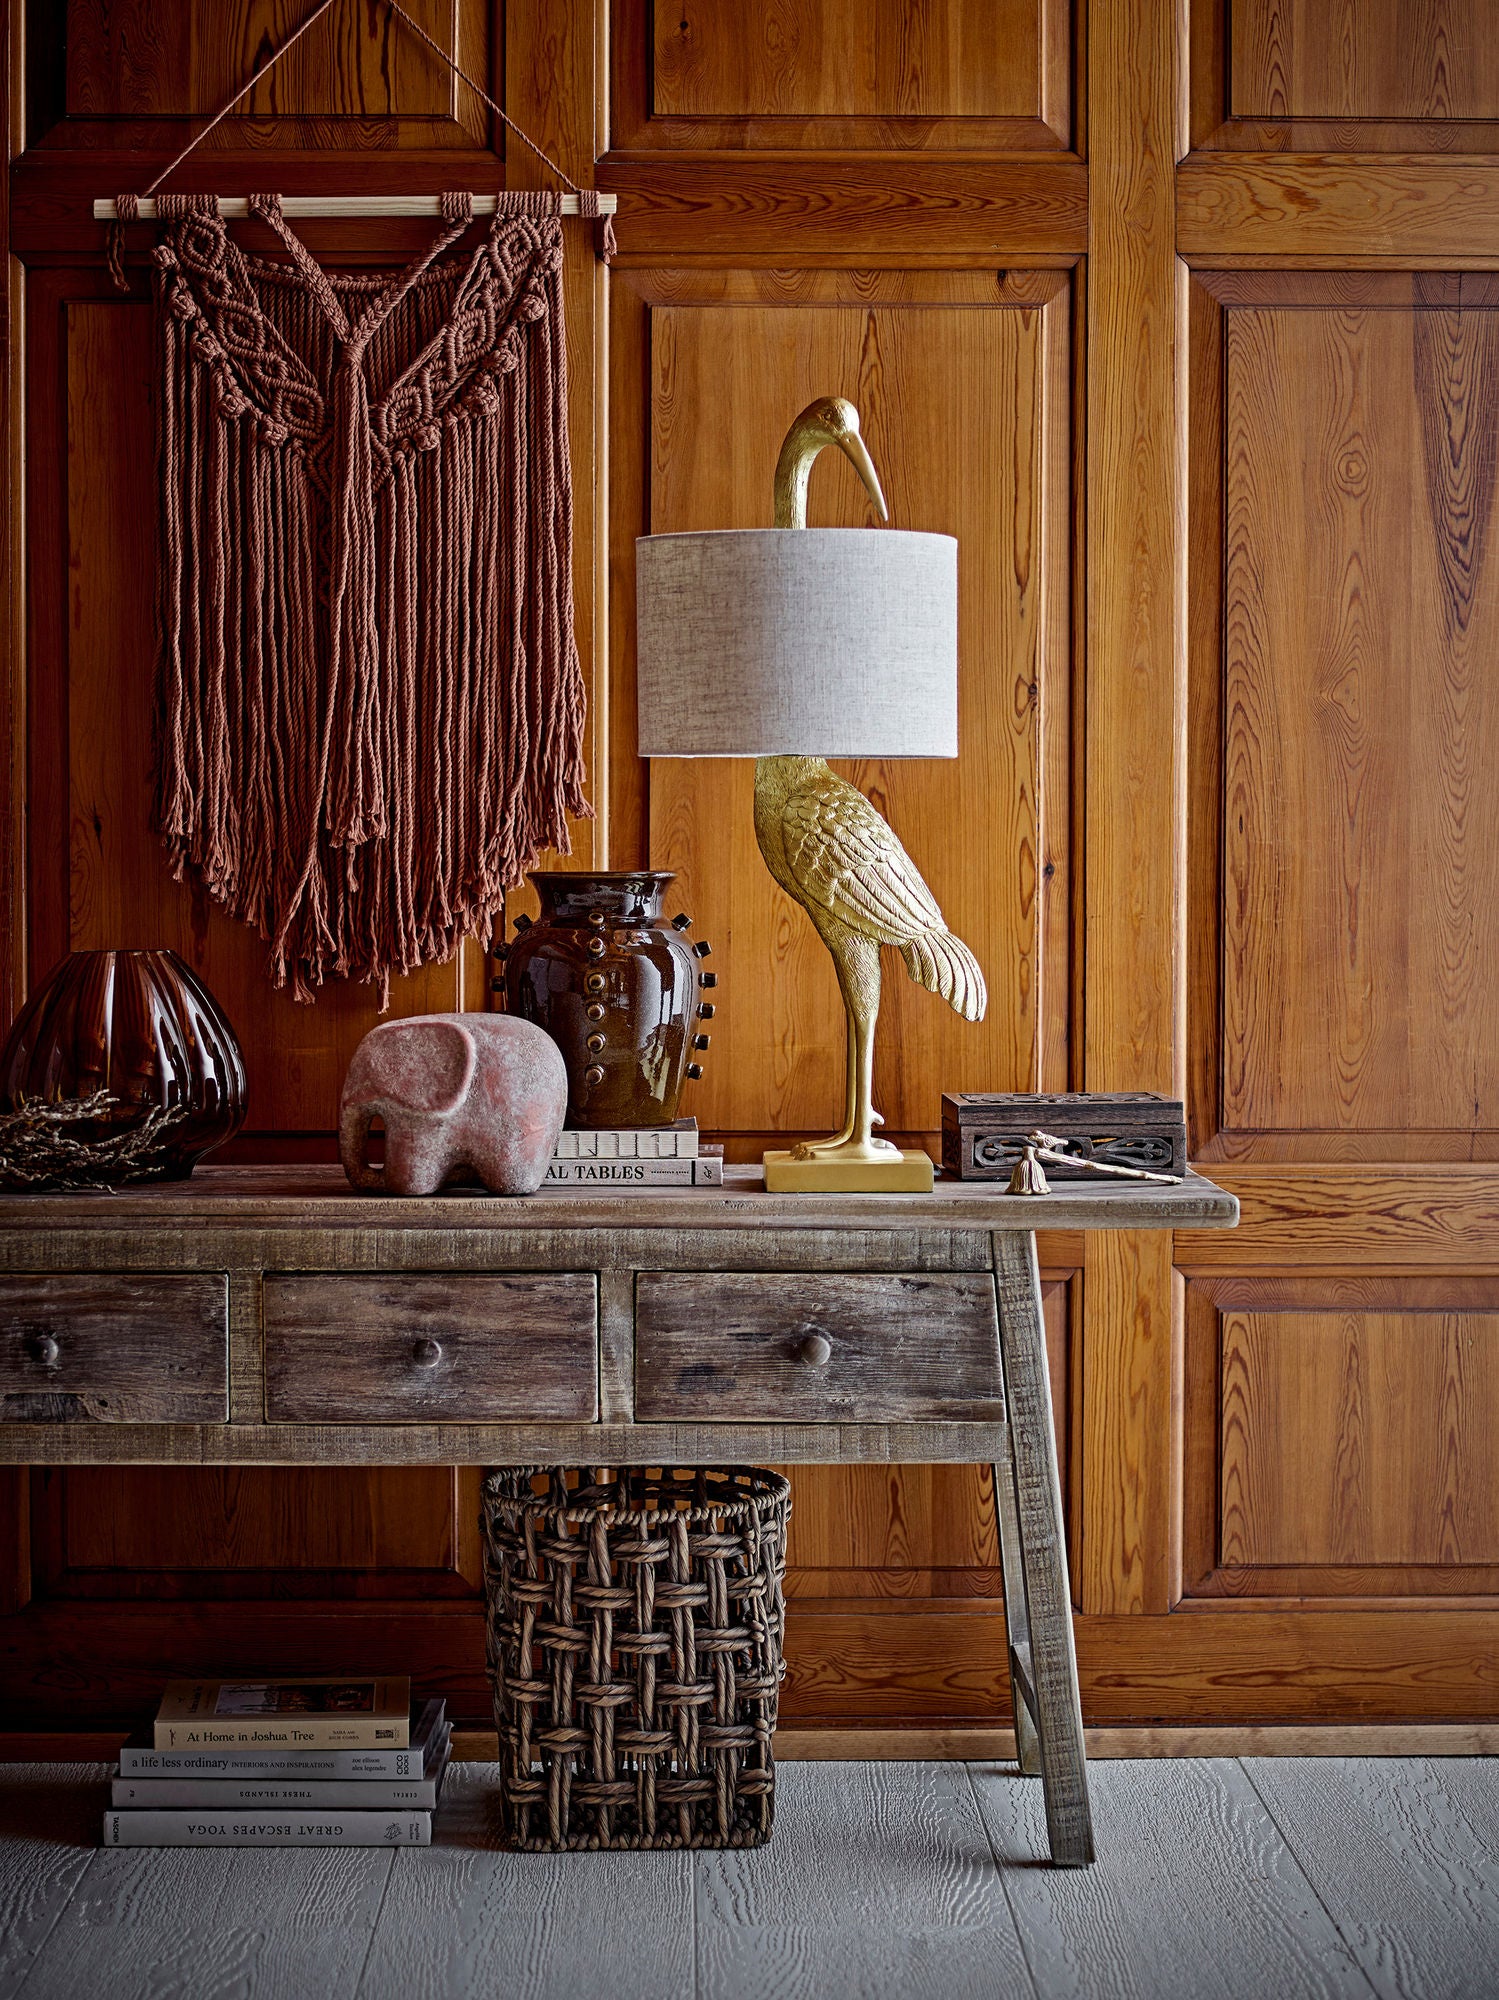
(814, 642)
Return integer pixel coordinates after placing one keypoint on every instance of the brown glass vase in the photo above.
(142, 1026)
(616, 989)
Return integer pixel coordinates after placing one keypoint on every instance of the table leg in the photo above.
(1017, 1622)
(1041, 1557)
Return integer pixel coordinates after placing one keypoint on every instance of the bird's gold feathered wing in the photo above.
(844, 857)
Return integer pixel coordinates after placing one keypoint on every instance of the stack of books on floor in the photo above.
(636, 1156)
(294, 1763)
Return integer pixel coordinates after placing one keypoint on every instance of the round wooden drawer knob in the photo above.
(594, 1073)
(815, 1349)
(45, 1349)
(427, 1353)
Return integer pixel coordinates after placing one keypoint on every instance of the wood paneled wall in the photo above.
(1187, 331)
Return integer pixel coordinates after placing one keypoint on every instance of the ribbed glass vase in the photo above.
(142, 1026)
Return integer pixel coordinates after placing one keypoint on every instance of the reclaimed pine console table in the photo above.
(271, 1316)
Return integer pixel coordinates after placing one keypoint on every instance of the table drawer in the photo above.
(430, 1347)
(767, 1346)
(112, 1348)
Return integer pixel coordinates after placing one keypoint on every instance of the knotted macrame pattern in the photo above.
(370, 707)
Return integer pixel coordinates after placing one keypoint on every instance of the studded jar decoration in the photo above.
(625, 996)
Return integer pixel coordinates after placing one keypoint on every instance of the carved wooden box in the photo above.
(984, 1132)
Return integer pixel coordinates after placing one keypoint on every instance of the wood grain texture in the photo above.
(1295, 1215)
(1359, 969)
(979, 1745)
(952, 403)
(1398, 1857)
(306, 1206)
(468, 1921)
(293, 1920)
(854, 211)
(1358, 1438)
(412, 1348)
(883, 1349)
(813, 1912)
(926, 83)
(1150, 1921)
(1349, 208)
(469, 1442)
(114, 1349)
(1132, 1030)
(47, 1836)
(13, 815)
(1292, 1665)
(1397, 59)
(1328, 1454)
(140, 60)
(840, 58)
(554, 90)
(1043, 1658)
(904, 1878)
(106, 1533)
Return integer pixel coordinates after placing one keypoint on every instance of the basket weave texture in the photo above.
(635, 1627)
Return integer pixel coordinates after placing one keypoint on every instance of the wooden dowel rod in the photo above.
(352, 205)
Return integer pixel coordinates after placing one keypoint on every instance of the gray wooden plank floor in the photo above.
(1217, 1880)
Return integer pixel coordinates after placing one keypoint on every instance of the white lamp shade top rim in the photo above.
(825, 642)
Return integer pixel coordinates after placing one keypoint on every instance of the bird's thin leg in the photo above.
(858, 976)
(810, 1148)
(863, 1133)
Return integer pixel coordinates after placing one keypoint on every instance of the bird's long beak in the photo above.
(853, 447)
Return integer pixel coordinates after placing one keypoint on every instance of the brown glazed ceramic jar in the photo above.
(144, 1027)
(616, 989)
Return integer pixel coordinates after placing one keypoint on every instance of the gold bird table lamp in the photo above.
(792, 645)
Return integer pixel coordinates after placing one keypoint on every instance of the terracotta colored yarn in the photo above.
(370, 706)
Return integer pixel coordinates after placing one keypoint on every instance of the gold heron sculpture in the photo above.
(833, 853)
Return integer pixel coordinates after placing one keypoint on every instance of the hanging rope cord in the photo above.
(127, 206)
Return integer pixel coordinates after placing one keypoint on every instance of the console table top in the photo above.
(319, 1197)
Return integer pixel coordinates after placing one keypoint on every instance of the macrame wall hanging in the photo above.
(369, 702)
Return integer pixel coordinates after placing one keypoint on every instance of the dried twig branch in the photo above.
(38, 1152)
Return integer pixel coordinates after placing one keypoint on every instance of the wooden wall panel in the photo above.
(954, 403)
(1353, 1439)
(1329, 980)
(1337, 1433)
(830, 58)
(357, 79)
(1363, 59)
(107, 1532)
(820, 76)
(1361, 855)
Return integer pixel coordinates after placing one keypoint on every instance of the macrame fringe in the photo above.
(370, 707)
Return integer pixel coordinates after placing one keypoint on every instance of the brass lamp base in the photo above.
(902, 1173)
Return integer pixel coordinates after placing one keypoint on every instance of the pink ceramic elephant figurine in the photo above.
(459, 1095)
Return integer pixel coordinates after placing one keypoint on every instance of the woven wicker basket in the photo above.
(634, 1636)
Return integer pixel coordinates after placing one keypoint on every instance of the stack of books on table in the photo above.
(636, 1156)
(295, 1763)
